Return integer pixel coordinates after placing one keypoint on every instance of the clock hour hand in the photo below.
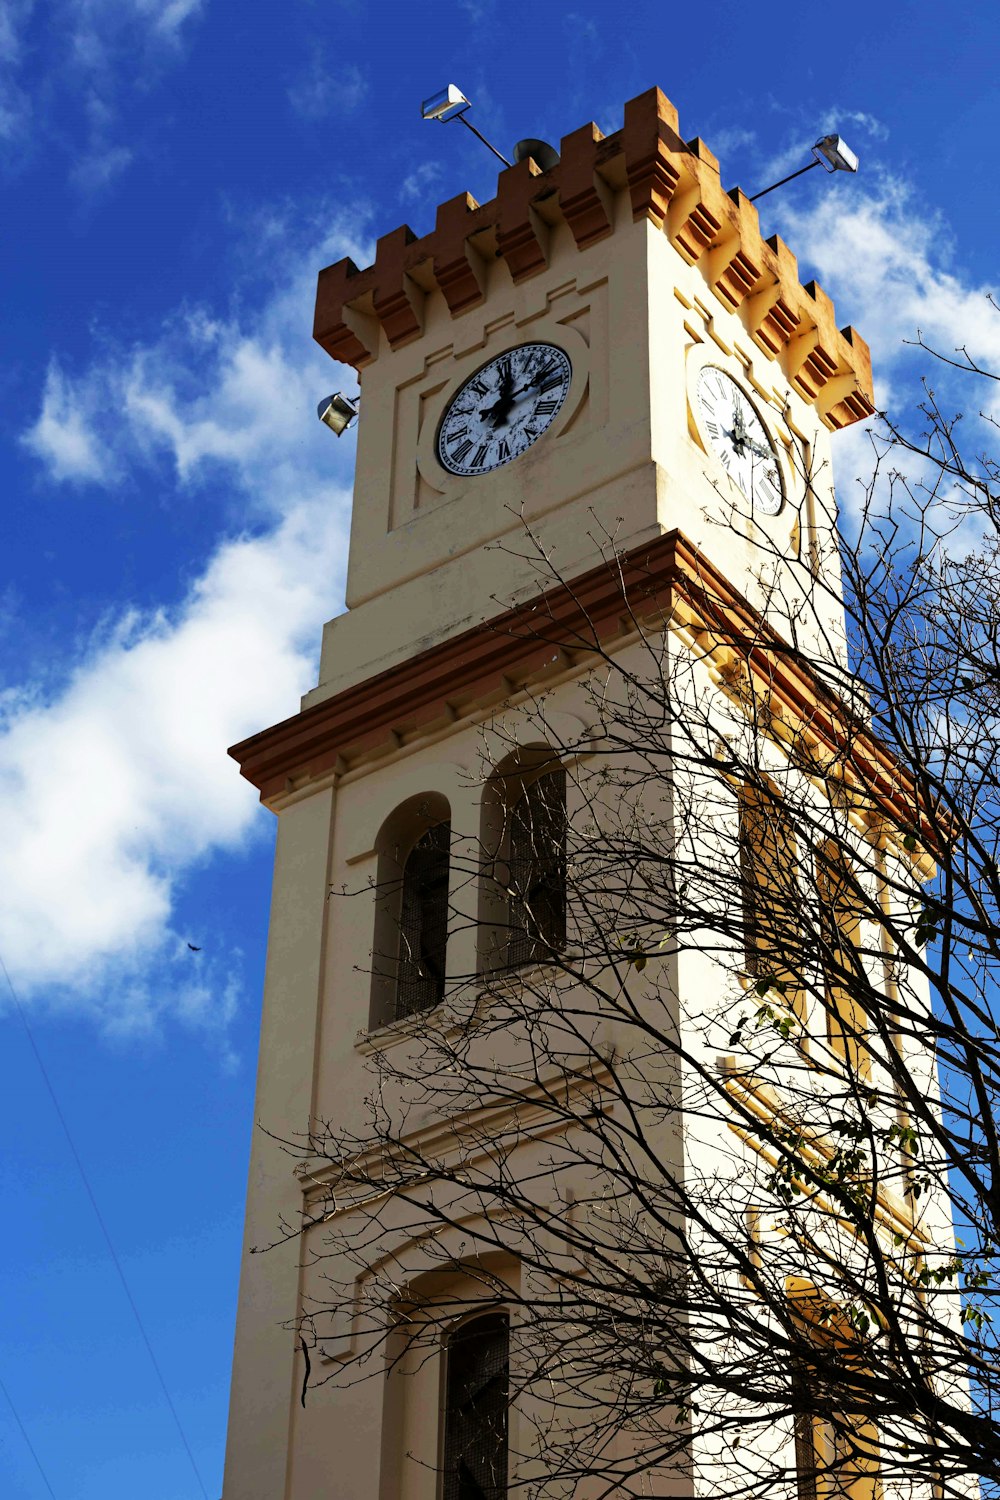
(509, 397)
(742, 440)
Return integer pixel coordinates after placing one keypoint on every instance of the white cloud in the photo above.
(121, 783)
(206, 393)
(887, 261)
(115, 784)
(63, 438)
(885, 257)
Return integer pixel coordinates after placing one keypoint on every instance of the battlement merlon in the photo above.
(672, 183)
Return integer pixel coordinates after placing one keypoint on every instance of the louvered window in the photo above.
(536, 861)
(423, 923)
(475, 1428)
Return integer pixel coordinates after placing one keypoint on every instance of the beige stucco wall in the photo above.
(624, 456)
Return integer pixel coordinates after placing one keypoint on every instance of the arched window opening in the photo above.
(840, 929)
(423, 923)
(536, 870)
(769, 890)
(522, 895)
(410, 937)
(476, 1398)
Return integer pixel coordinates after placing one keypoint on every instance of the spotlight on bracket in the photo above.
(835, 155)
(830, 152)
(339, 412)
(451, 104)
(540, 151)
(445, 105)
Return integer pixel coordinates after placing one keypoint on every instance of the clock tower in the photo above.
(608, 358)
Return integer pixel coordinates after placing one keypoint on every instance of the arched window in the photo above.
(770, 893)
(474, 1460)
(410, 941)
(423, 923)
(536, 870)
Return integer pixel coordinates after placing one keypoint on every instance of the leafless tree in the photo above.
(706, 1117)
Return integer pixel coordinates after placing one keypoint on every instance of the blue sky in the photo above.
(174, 173)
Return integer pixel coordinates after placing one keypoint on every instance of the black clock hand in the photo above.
(522, 390)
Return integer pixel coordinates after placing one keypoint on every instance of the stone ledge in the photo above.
(674, 184)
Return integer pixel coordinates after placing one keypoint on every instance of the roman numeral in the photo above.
(553, 382)
(503, 452)
(458, 454)
(479, 388)
(713, 428)
(479, 457)
(545, 408)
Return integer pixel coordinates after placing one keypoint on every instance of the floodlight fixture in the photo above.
(835, 155)
(830, 152)
(451, 104)
(339, 412)
(445, 105)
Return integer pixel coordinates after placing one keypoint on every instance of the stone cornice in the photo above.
(674, 184)
(663, 584)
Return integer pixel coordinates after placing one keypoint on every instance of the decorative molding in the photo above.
(666, 584)
(673, 184)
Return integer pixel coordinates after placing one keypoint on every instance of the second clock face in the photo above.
(503, 408)
(738, 437)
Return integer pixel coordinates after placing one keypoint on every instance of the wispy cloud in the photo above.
(116, 787)
(93, 55)
(63, 437)
(327, 88)
(889, 263)
(115, 784)
(15, 107)
(420, 184)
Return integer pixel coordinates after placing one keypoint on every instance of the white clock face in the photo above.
(503, 408)
(737, 436)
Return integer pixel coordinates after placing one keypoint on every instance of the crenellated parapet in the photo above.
(673, 184)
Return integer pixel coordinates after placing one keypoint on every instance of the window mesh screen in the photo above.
(537, 870)
(423, 923)
(475, 1431)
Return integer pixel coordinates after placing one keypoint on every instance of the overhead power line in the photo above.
(107, 1238)
(27, 1441)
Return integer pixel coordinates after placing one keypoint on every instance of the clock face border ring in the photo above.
(511, 353)
(539, 331)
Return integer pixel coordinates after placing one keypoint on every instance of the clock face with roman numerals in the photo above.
(503, 408)
(738, 438)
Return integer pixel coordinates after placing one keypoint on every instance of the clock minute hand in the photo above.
(523, 390)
